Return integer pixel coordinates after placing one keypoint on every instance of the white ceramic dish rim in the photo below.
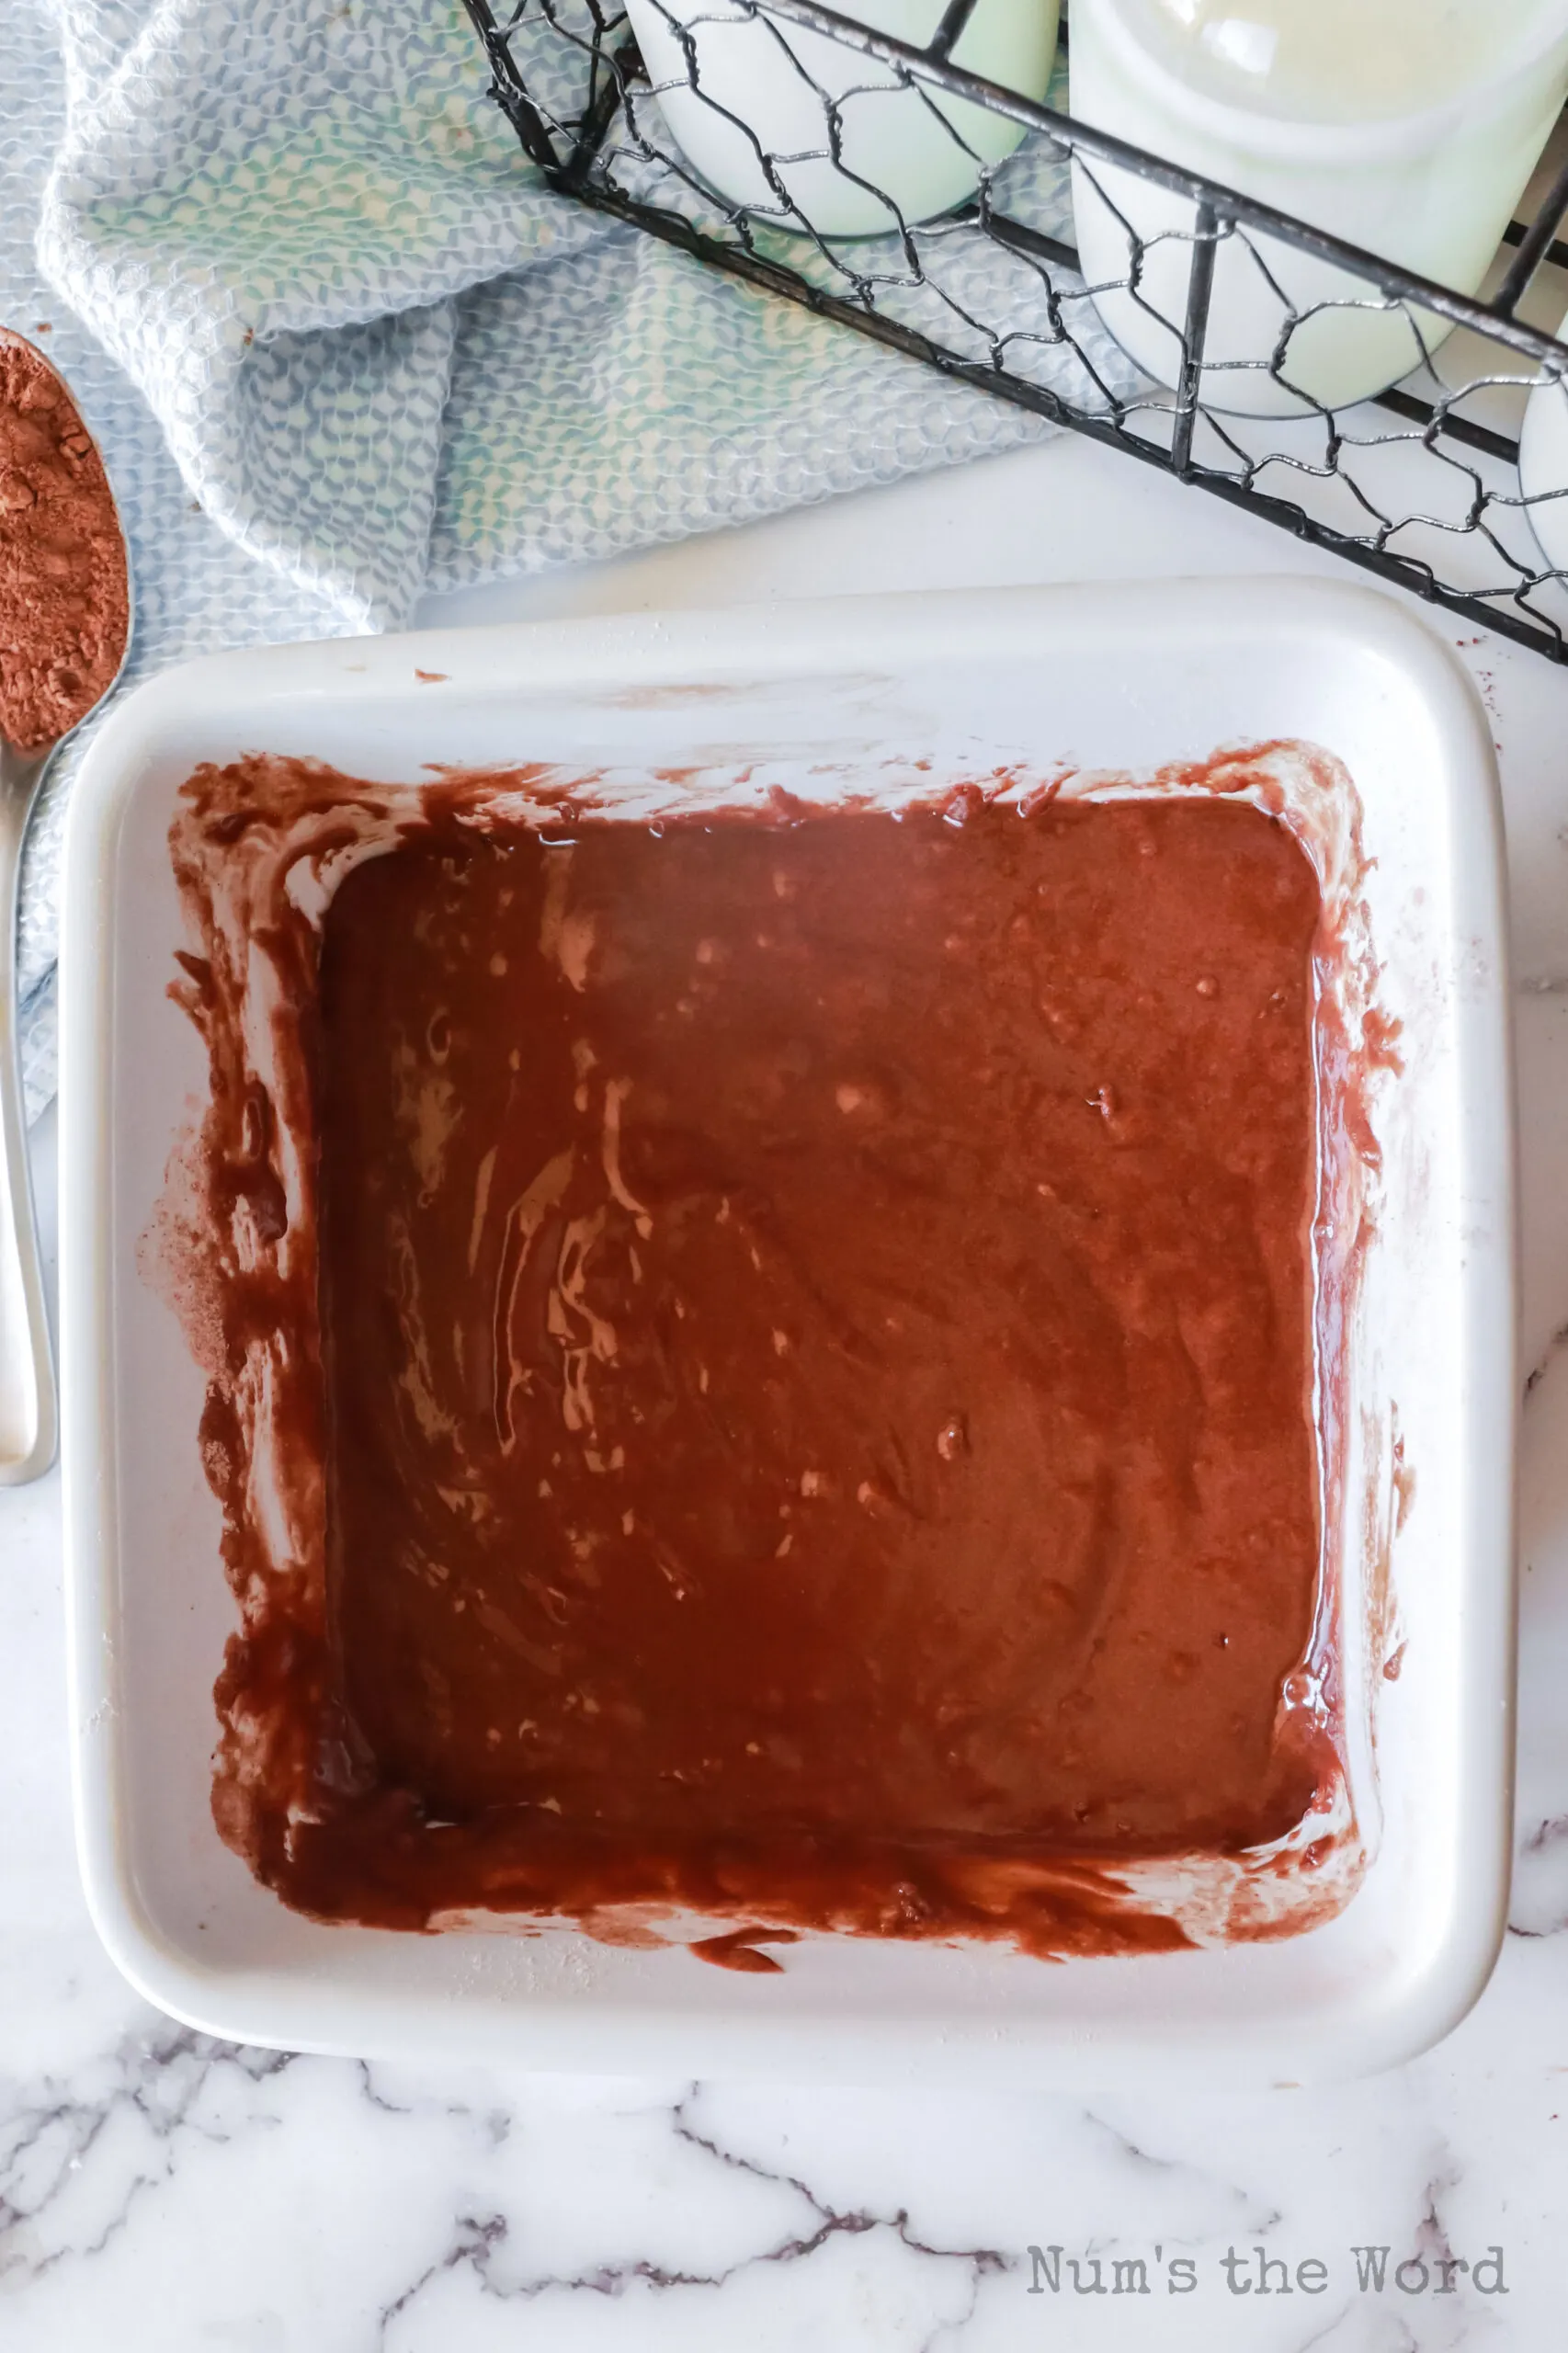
(783, 643)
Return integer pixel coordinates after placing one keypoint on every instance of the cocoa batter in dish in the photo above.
(816, 1367)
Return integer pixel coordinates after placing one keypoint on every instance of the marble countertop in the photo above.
(163, 2193)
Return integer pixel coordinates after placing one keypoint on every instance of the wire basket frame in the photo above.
(1418, 483)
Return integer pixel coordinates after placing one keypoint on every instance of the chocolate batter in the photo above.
(817, 1333)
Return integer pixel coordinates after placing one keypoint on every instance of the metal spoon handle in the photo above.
(28, 1416)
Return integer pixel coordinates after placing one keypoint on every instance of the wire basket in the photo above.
(1419, 481)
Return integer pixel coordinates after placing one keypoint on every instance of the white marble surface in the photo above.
(160, 2193)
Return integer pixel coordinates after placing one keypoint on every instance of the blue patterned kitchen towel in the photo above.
(342, 345)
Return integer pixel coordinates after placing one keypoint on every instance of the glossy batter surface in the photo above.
(818, 1339)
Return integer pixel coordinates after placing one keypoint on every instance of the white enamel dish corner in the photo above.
(1114, 678)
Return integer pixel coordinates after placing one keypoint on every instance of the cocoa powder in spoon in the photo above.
(64, 595)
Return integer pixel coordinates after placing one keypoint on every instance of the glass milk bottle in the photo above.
(756, 102)
(1543, 465)
(1406, 127)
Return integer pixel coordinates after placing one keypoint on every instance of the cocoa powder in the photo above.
(64, 593)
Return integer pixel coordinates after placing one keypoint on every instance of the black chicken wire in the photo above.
(1418, 483)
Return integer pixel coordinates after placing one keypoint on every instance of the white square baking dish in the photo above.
(1111, 684)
